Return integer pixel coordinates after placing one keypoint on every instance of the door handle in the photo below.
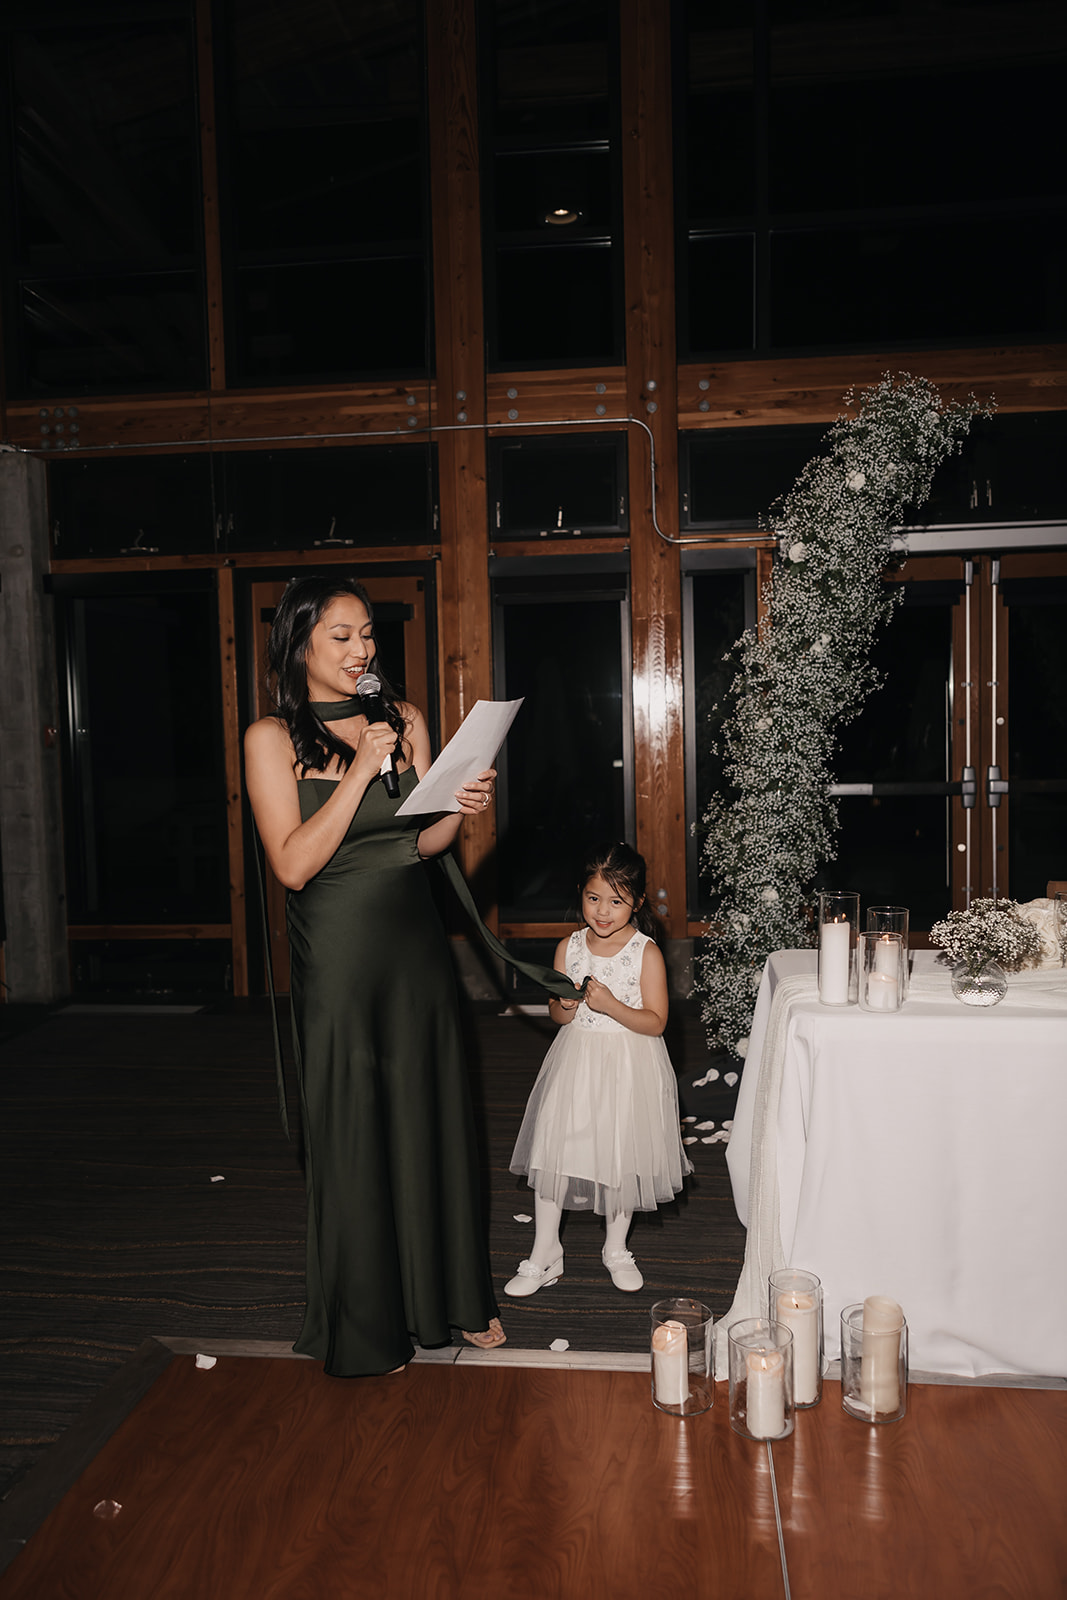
(995, 786)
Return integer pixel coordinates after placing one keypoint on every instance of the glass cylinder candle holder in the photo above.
(880, 967)
(874, 1360)
(761, 1378)
(683, 1365)
(794, 1298)
(839, 915)
(892, 919)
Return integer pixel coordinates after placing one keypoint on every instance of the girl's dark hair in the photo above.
(299, 610)
(622, 867)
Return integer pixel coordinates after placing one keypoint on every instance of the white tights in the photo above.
(546, 1246)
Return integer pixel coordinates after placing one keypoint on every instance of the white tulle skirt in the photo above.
(601, 1127)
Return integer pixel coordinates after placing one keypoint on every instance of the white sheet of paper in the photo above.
(472, 749)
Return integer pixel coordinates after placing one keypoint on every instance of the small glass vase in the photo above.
(979, 984)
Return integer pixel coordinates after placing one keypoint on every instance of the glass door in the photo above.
(1023, 781)
(952, 782)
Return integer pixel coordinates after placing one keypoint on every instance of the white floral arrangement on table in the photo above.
(771, 829)
(989, 930)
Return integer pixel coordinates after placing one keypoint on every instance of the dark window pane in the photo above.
(108, 507)
(892, 850)
(546, 488)
(720, 166)
(151, 969)
(297, 499)
(531, 187)
(308, 188)
(550, 76)
(897, 283)
(879, 85)
(717, 620)
(564, 778)
(555, 305)
(106, 146)
(331, 319)
(732, 476)
(146, 838)
(901, 735)
(1037, 734)
(1012, 467)
(107, 334)
(721, 293)
(328, 147)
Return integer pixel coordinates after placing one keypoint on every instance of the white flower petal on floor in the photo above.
(520, 1216)
(218, 1178)
(205, 1363)
(559, 1345)
(705, 1127)
(730, 1078)
(691, 1139)
(693, 1119)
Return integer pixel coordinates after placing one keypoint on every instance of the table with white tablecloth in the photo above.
(920, 1154)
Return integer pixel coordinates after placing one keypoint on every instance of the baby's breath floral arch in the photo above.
(767, 835)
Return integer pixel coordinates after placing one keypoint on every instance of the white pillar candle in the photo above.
(880, 1359)
(670, 1364)
(765, 1401)
(886, 956)
(883, 992)
(800, 1314)
(835, 958)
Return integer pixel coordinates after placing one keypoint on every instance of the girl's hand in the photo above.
(598, 997)
(376, 741)
(476, 793)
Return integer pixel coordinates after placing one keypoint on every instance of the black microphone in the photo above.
(369, 694)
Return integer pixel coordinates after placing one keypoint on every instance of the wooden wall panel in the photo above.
(809, 388)
(293, 417)
(466, 659)
(659, 763)
(564, 395)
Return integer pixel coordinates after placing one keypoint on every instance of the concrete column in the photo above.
(31, 815)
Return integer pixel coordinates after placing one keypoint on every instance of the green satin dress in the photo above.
(396, 1245)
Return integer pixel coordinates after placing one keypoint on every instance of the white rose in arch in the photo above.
(741, 1049)
(769, 896)
(762, 724)
(818, 648)
(855, 481)
(798, 551)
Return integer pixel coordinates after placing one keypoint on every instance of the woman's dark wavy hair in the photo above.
(299, 610)
(621, 866)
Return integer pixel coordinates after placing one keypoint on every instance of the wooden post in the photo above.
(457, 284)
(209, 177)
(231, 733)
(651, 386)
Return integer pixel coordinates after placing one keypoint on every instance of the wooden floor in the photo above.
(264, 1479)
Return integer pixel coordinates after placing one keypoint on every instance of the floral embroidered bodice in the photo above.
(620, 973)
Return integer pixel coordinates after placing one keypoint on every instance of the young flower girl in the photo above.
(601, 1126)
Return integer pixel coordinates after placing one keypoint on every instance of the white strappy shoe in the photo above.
(529, 1278)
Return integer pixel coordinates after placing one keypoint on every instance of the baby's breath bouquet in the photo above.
(989, 930)
(765, 836)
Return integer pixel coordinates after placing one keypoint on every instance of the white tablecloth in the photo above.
(921, 1155)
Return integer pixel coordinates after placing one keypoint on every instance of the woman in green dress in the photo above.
(396, 1247)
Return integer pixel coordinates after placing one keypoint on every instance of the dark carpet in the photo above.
(113, 1126)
